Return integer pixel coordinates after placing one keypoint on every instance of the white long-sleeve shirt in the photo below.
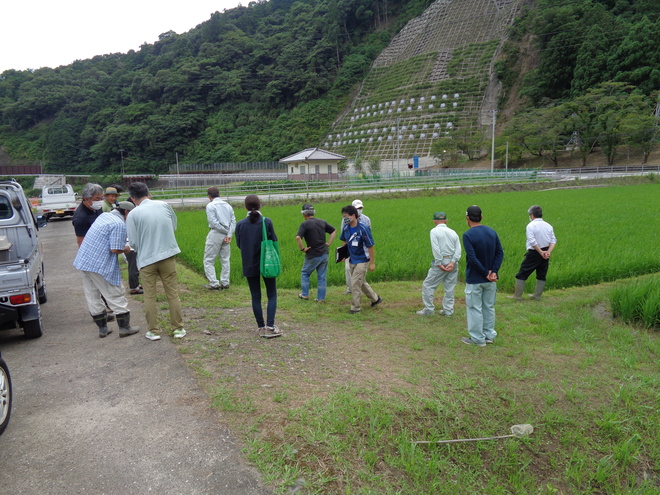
(445, 244)
(539, 233)
(221, 217)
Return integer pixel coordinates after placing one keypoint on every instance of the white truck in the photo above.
(58, 201)
(22, 285)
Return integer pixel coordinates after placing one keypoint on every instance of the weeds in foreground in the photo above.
(335, 405)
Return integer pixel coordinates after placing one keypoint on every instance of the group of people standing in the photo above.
(147, 231)
(144, 229)
(484, 256)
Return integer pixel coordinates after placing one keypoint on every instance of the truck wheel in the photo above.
(32, 328)
(5, 395)
(41, 293)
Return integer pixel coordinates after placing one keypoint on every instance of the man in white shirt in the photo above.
(540, 243)
(222, 223)
(446, 248)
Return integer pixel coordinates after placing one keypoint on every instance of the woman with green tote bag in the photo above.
(249, 237)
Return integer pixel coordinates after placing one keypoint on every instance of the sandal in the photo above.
(304, 298)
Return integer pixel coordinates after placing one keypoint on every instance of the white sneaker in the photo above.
(270, 332)
(152, 336)
(179, 334)
(424, 312)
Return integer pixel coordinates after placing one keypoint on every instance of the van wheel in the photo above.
(32, 328)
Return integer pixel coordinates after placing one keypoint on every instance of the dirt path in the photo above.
(111, 416)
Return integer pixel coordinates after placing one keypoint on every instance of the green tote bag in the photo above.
(269, 265)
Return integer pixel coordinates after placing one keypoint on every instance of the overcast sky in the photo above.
(50, 33)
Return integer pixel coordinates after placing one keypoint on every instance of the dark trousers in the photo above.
(533, 261)
(271, 292)
(133, 272)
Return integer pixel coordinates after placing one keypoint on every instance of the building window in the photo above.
(302, 169)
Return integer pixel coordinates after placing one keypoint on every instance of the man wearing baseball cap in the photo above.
(365, 220)
(446, 249)
(484, 256)
(314, 231)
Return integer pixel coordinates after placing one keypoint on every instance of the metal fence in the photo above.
(351, 185)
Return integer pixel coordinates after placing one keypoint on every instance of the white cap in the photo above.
(358, 204)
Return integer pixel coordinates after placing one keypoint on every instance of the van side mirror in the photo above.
(42, 220)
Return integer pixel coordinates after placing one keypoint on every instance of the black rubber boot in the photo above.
(125, 328)
(102, 322)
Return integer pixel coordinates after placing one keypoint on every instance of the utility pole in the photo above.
(121, 153)
(492, 146)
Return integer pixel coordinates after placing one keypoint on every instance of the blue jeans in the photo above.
(271, 292)
(480, 304)
(320, 264)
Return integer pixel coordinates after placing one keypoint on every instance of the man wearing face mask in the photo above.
(88, 210)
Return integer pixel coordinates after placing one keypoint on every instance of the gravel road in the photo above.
(107, 416)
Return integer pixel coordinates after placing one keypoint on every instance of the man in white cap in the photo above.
(365, 220)
(446, 248)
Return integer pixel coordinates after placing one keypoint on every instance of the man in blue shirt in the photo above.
(97, 259)
(357, 237)
(484, 256)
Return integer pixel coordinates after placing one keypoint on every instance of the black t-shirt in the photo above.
(83, 218)
(313, 230)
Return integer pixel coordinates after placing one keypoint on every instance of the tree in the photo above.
(374, 165)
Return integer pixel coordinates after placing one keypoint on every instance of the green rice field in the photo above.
(604, 233)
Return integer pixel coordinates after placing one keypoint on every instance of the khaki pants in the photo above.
(359, 285)
(165, 270)
(95, 286)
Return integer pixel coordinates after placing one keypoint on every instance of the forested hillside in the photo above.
(263, 81)
(594, 80)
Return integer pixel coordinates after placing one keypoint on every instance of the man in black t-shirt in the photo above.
(314, 230)
(88, 210)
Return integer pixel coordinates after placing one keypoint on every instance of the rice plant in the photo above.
(598, 236)
(638, 301)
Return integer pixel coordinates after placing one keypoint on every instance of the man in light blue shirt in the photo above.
(151, 227)
(97, 260)
(446, 248)
(222, 223)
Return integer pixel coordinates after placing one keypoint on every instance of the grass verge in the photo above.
(334, 405)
